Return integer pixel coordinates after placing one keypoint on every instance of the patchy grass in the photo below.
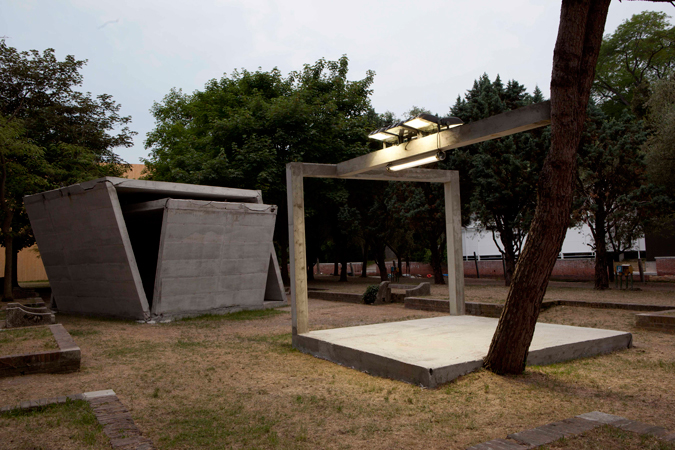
(256, 314)
(72, 425)
(26, 340)
(607, 437)
(212, 382)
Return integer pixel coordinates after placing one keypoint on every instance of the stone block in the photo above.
(22, 316)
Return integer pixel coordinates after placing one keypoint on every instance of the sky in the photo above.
(423, 54)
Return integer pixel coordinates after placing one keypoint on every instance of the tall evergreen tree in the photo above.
(502, 173)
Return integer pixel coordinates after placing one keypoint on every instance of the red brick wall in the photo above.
(568, 269)
(665, 265)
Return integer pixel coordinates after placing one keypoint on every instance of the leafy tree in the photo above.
(614, 197)
(50, 136)
(241, 130)
(639, 52)
(660, 148)
(503, 173)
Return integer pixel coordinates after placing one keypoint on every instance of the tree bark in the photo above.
(15, 266)
(364, 266)
(436, 263)
(381, 263)
(574, 59)
(285, 277)
(7, 295)
(601, 275)
(343, 272)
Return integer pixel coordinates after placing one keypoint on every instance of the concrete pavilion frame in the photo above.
(372, 166)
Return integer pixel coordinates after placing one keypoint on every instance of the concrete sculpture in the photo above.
(154, 250)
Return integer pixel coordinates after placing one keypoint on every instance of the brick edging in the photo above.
(116, 420)
(574, 426)
(64, 360)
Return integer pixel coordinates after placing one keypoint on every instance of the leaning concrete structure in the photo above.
(155, 250)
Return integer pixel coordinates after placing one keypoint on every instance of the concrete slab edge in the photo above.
(66, 359)
(365, 362)
(118, 425)
(572, 427)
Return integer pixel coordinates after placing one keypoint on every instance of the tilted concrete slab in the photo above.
(430, 352)
(121, 248)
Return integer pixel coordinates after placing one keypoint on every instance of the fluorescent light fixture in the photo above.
(440, 156)
(421, 124)
(382, 136)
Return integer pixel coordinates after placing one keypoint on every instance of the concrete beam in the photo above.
(296, 231)
(505, 124)
(311, 170)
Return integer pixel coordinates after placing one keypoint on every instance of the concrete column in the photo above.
(453, 232)
(296, 234)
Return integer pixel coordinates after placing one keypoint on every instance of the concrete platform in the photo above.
(430, 352)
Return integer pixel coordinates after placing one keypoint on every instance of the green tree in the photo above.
(615, 199)
(660, 147)
(639, 52)
(502, 174)
(241, 130)
(51, 136)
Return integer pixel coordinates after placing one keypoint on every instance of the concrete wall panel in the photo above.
(84, 252)
(213, 256)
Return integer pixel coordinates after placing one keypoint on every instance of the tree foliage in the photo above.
(241, 130)
(639, 52)
(660, 148)
(50, 136)
(615, 199)
(501, 174)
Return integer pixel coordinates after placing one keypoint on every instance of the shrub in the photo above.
(370, 295)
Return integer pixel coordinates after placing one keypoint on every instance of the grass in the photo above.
(26, 340)
(608, 437)
(236, 382)
(73, 425)
(256, 314)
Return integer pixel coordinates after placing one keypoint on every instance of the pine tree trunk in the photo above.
(601, 275)
(15, 266)
(574, 58)
(436, 264)
(336, 267)
(381, 263)
(7, 295)
(285, 277)
(343, 272)
(364, 266)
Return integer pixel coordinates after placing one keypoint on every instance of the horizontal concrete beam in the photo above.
(419, 175)
(505, 124)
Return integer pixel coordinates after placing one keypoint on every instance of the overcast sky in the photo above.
(424, 54)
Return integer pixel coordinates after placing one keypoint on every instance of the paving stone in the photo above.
(601, 417)
(668, 437)
(536, 437)
(500, 444)
(643, 428)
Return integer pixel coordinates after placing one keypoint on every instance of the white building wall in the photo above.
(578, 240)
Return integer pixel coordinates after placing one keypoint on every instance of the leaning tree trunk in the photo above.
(574, 58)
(601, 275)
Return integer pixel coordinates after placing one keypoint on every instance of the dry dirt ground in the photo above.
(236, 382)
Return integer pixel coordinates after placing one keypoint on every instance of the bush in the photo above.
(370, 295)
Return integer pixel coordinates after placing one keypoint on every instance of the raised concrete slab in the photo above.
(430, 352)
